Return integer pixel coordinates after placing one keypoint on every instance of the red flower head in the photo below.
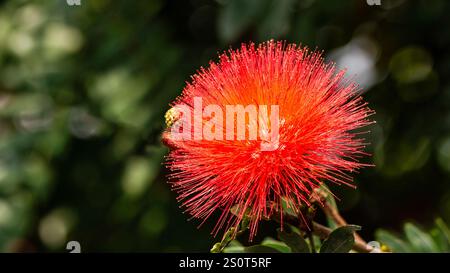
(312, 139)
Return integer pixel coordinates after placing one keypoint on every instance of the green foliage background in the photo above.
(83, 91)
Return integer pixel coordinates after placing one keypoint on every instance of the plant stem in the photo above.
(334, 214)
(311, 242)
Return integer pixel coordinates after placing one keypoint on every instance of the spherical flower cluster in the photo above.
(319, 116)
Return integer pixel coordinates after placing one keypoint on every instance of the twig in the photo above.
(323, 232)
(334, 214)
(331, 211)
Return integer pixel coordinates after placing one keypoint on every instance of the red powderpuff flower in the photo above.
(319, 114)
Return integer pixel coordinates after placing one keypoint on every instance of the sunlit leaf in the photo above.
(419, 240)
(443, 227)
(234, 247)
(280, 246)
(260, 249)
(394, 243)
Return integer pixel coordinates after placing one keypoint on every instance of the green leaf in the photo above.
(227, 238)
(330, 199)
(236, 210)
(234, 247)
(317, 243)
(288, 207)
(392, 241)
(217, 248)
(280, 246)
(294, 229)
(260, 249)
(439, 239)
(341, 240)
(444, 234)
(295, 241)
(419, 240)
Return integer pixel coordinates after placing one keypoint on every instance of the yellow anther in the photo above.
(171, 116)
(385, 248)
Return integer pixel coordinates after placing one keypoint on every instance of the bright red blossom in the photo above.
(319, 112)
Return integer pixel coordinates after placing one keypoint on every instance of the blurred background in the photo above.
(83, 92)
